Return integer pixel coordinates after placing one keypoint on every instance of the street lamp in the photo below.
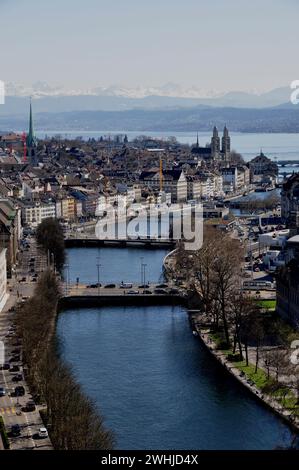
(143, 275)
(98, 269)
(141, 268)
(67, 268)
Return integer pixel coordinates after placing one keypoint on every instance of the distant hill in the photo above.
(46, 99)
(283, 118)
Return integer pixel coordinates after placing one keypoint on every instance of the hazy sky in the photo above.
(211, 44)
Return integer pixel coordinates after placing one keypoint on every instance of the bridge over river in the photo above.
(151, 294)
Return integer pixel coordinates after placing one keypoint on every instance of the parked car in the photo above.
(14, 369)
(2, 392)
(17, 378)
(19, 391)
(94, 286)
(42, 433)
(30, 406)
(144, 286)
(15, 358)
(161, 286)
(15, 430)
(148, 292)
(133, 292)
(5, 366)
(110, 286)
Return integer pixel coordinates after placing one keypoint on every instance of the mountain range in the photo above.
(168, 108)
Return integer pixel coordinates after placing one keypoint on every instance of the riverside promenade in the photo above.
(205, 335)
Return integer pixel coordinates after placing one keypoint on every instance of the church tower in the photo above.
(225, 150)
(215, 145)
(31, 142)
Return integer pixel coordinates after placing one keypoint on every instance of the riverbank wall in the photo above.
(266, 400)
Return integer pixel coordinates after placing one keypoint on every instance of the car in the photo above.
(173, 290)
(15, 430)
(5, 366)
(126, 285)
(23, 279)
(15, 358)
(17, 378)
(110, 286)
(14, 369)
(16, 351)
(161, 286)
(94, 286)
(2, 392)
(42, 433)
(19, 391)
(148, 292)
(30, 406)
(133, 292)
(160, 291)
(144, 286)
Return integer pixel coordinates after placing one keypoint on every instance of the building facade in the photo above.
(3, 278)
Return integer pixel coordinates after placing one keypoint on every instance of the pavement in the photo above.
(11, 406)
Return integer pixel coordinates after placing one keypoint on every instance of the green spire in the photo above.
(31, 140)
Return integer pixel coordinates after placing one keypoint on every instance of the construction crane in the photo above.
(24, 147)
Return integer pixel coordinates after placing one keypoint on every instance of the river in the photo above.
(155, 383)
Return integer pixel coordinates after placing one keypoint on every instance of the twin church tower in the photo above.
(222, 153)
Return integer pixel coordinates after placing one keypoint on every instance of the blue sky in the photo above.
(215, 44)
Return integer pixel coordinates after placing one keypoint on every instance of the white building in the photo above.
(3, 279)
(34, 215)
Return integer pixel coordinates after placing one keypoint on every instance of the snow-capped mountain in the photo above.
(40, 89)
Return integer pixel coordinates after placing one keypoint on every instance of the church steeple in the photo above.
(215, 144)
(31, 142)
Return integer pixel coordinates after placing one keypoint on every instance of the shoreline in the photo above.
(266, 400)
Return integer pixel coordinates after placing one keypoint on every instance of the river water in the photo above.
(154, 382)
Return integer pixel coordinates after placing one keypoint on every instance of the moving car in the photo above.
(160, 291)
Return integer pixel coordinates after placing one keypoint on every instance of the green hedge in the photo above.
(4, 434)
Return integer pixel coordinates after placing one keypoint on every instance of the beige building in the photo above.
(10, 232)
(3, 278)
(66, 208)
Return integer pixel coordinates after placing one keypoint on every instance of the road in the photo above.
(83, 290)
(11, 406)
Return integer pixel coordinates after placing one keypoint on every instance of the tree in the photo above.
(49, 236)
